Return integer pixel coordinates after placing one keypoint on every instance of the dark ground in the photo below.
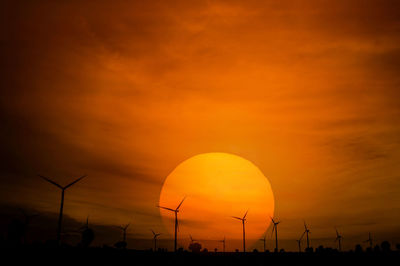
(112, 256)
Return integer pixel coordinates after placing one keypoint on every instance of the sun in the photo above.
(217, 186)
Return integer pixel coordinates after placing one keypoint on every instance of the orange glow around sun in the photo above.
(217, 186)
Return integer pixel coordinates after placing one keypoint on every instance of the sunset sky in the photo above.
(308, 91)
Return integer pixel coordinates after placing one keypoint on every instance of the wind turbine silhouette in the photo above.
(307, 232)
(123, 228)
(155, 240)
(369, 240)
(176, 220)
(299, 241)
(223, 244)
(275, 228)
(244, 232)
(191, 239)
(339, 239)
(299, 244)
(62, 201)
(28, 218)
(264, 239)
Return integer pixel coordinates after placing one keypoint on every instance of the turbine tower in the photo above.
(244, 232)
(176, 220)
(339, 239)
(307, 232)
(263, 240)
(155, 240)
(275, 228)
(369, 240)
(62, 201)
(223, 244)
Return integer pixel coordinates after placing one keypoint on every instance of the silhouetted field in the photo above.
(111, 256)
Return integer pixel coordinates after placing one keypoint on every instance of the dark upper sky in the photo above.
(306, 90)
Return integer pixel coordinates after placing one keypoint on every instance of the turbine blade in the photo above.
(237, 217)
(177, 208)
(165, 208)
(51, 181)
(126, 226)
(245, 214)
(77, 180)
(152, 232)
(302, 235)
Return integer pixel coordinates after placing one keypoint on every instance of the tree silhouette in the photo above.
(195, 247)
(87, 236)
(15, 233)
(385, 246)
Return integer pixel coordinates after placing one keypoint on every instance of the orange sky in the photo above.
(308, 92)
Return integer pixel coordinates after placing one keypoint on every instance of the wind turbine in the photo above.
(223, 244)
(191, 239)
(28, 218)
(124, 228)
(176, 220)
(307, 232)
(155, 240)
(299, 241)
(244, 232)
(275, 228)
(369, 240)
(299, 244)
(339, 239)
(263, 240)
(62, 201)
